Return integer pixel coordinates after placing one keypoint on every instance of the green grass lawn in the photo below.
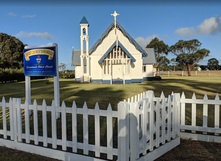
(105, 93)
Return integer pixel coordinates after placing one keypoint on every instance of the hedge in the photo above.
(18, 74)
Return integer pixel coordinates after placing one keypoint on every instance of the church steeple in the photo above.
(84, 21)
(84, 47)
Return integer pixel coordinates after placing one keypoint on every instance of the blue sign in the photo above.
(40, 61)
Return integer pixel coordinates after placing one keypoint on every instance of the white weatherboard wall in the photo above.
(97, 69)
(77, 71)
(149, 71)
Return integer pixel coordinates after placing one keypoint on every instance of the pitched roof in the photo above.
(84, 21)
(76, 57)
(138, 47)
(151, 59)
(111, 48)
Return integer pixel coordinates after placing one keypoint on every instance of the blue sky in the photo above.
(39, 24)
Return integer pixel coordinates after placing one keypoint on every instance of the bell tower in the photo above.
(84, 50)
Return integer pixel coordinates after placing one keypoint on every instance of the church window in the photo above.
(84, 46)
(85, 65)
(84, 31)
(144, 68)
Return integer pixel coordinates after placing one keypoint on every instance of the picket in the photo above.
(182, 110)
(27, 124)
(44, 120)
(163, 117)
(193, 122)
(97, 130)
(151, 123)
(35, 114)
(64, 129)
(11, 119)
(109, 133)
(205, 112)
(144, 126)
(4, 118)
(169, 119)
(216, 121)
(157, 123)
(15, 123)
(123, 138)
(18, 104)
(53, 126)
(134, 132)
(74, 127)
(85, 128)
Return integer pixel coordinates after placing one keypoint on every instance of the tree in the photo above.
(62, 67)
(163, 61)
(160, 48)
(189, 53)
(11, 50)
(213, 63)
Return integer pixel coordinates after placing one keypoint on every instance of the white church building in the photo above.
(115, 58)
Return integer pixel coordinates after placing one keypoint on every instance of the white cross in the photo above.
(115, 14)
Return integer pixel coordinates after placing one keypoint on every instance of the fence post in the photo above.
(134, 131)
(177, 113)
(123, 131)
(150, 95)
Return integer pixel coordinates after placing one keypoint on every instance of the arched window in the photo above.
(85, 65)
(84, 31)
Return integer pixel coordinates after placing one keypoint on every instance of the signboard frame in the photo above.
(56, 81)
(40, 61)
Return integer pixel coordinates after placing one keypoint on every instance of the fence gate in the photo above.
(153, 125)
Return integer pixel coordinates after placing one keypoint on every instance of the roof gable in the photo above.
(98, 42)
(76, 60)
(151, 59)
(111, 48)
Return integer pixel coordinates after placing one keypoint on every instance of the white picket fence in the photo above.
(147, 126)
(153, 122)
(16, 134)
(211, 134)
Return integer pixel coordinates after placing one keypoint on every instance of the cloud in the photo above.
(143, 42)
(28, 16)
(185, 32)
(49, 44)
(165, 36)
(12, 14)
(35, 34)
(208, 26)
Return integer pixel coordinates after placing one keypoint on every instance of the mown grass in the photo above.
(105, 93)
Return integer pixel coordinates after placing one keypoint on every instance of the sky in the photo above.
(38, 23)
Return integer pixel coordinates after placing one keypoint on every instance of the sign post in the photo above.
(41, 61)
(56, 82)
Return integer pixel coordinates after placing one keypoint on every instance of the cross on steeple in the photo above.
(115, 14)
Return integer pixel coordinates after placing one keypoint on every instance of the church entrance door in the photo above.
(117, 71)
